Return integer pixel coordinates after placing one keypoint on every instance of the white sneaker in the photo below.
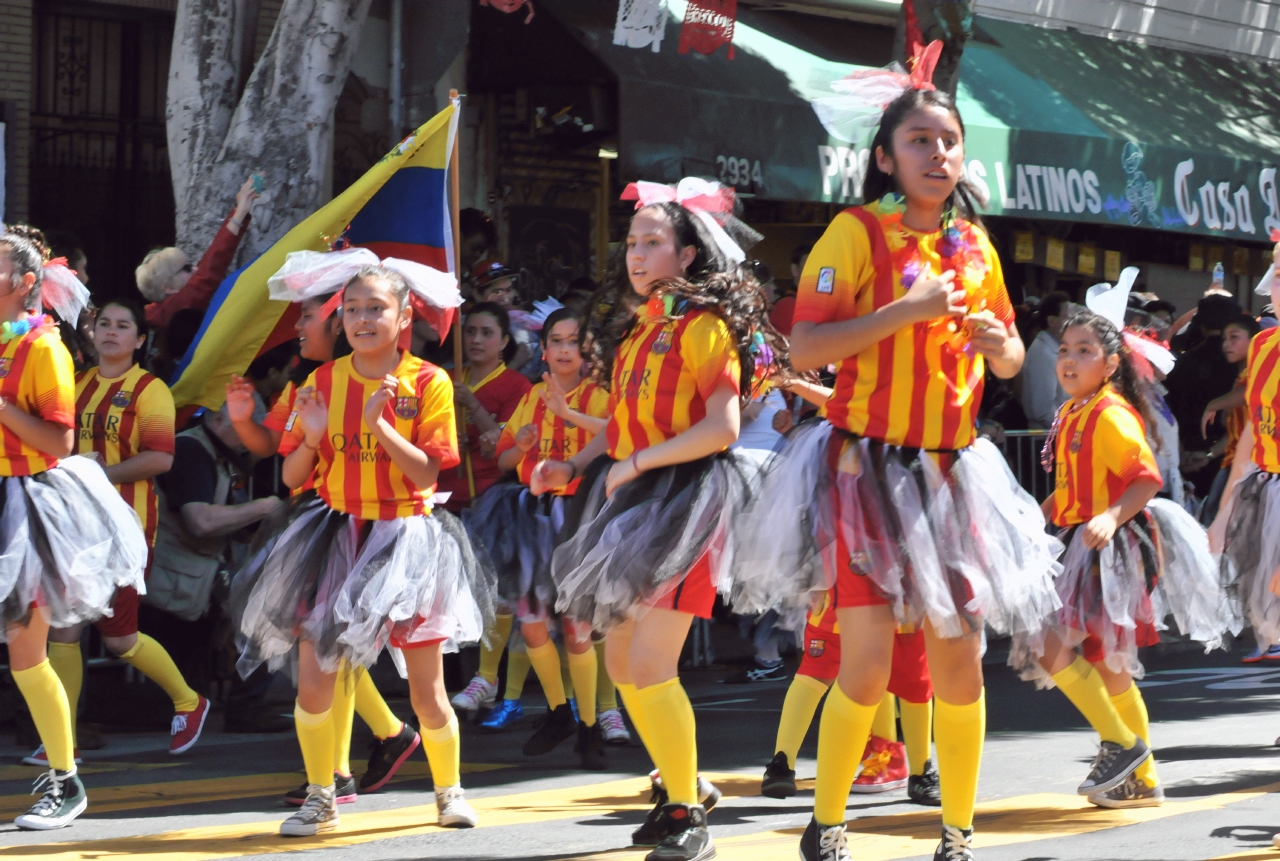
(62, 799)
(452, 808)
(318, 813)
(481, 693)
(615, 729)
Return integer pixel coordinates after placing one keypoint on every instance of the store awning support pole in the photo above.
(395, 91)
(602, 223)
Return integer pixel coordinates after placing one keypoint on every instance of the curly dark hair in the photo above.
(1126, 380)
(711, 283)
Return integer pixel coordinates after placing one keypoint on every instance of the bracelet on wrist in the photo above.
(635, 462)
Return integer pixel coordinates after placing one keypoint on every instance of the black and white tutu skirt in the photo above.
(352, 587)
(67, 542)
(619, 553)
(1117, 600)
(1251, 553)
(951, 537)
(518, 531)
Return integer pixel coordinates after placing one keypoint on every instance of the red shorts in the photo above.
(821, 654)
(123, 621)
(403, 646)
(694, 593)
(909, 678)
(1145, 635)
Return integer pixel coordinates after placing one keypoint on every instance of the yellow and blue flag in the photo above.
(399, 208)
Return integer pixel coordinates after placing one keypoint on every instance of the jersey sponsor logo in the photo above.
(1265, 419)
(359, 447)
(406, 408)
(827, 279)
(121, 399)
(817, 648)
(635, 383)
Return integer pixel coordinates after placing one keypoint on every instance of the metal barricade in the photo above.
(1022, 452)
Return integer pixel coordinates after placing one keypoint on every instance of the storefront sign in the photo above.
(1024, 247)
(1055, 252)
(1087, 261)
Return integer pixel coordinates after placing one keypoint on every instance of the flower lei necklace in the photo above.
(22, 326)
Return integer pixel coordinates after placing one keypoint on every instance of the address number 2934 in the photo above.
(740, 171)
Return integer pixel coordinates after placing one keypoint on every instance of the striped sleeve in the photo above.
(520, 416)
(155, 418)
(1120, 438)
(54, 375)
(837, 268)
(708, 349)
(437, 430)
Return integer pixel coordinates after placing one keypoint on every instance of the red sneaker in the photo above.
(41, 758)
(884, 767)
(187, 726)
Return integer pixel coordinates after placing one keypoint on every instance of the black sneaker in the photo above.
(779, 780)
(654, 828)
(759, 674)
(556, 727)
(62, 800)
(924, 788)
(344, 791)
(1112, 765)
(590, 747)
(687, 836)
(955, 845)
(824, 843)
(386, 755)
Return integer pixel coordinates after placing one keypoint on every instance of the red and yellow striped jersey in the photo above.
(354, 474)
(557, 439)
(1101, 449)
(122, 417)
(1261, 396)
(278, 415)
(665, 370)
(1236, 420)
(38, 377)
(920, 387)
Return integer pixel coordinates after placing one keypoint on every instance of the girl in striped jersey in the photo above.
(68, 541)
(124, 419)
(366, 562)
(554, 421)
(1130, 560)
(899, 507)
(674, 338)
(320, 340)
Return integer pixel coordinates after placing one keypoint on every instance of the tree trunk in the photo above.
(926, 20)
(281, 127)
(212, 54)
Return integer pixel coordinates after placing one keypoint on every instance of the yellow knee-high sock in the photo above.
(885, 725)
(546, 663)
(960, 732)
(315, 737)
(47, 700)
(151, 659)
(444, 753)
(842, 734)
(518, 666)
(1084, 687)
(342, 714)
(373, 709)
(66, 662)
(1133, 711)
(669, 716)
(798, 710)
(606, 691)
(917, 733)
(635, 709)
(492, 648)
(582, 668)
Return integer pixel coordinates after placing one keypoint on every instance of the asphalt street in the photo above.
(1214, 726)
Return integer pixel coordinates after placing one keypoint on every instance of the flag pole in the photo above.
(454, 186)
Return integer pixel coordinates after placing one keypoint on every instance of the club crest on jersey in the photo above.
(5, 365)
(1077, 440)
(662, 346)
(817, 648)
(406, 408)
(827, 279)
(121, 399)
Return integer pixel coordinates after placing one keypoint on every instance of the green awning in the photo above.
(1060, 125)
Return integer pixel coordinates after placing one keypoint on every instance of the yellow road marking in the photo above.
(31, 772)
(1021, 819)
(110, 799)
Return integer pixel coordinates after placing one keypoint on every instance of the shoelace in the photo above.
(317, 802)
(475, 690)
(876, 763)
(1106, 754)
(833, 845)
(50, 786)
(450, 795)
(612, 722)
(179, 724)
(955, 844)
